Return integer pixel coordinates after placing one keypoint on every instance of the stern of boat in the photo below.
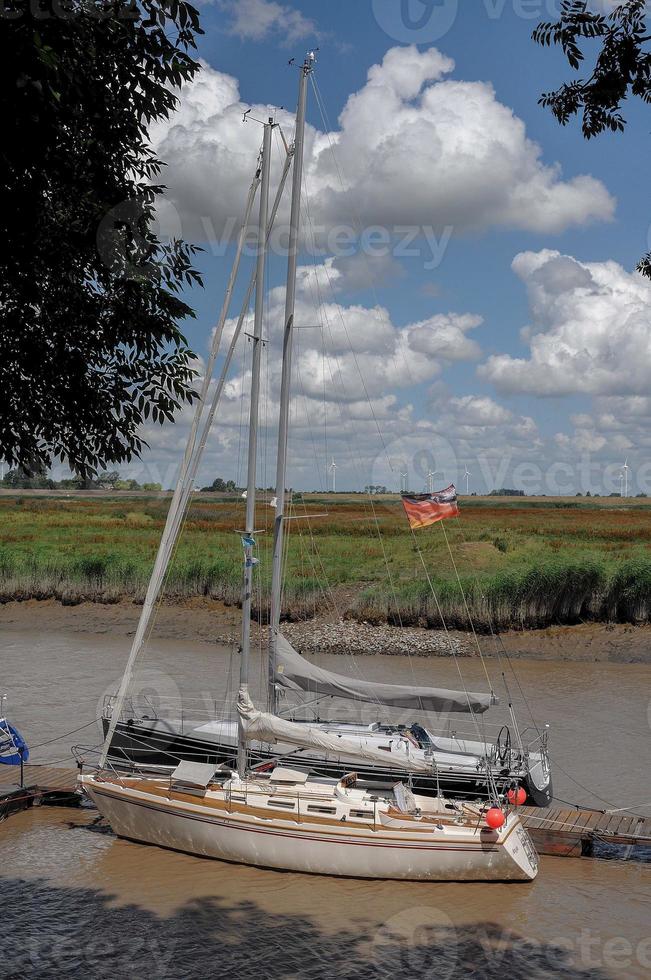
(520, 849)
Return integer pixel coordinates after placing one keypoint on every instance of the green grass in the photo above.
(522, 563)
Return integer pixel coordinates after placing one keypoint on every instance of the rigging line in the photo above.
(499, 644)
(326, 590)
(179, 499)
(354, 660)
(360, 373)
(369, 502)
(446, 630)
(633, 806)
(322, 311)
(375, 519)
(357, 221)
(65, 735)
(181, 524)
(374, 515)
(347, 335)
(467, 608)
(322, 478)
(325, 320)
(178, 522)
(334, 156)
(311, 551)
(590, 792)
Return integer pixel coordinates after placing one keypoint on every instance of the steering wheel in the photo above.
(503, 744)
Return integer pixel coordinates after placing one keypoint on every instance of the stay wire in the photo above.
(321, 310)
(467, 608)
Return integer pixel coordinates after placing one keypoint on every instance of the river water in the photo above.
(76, 901)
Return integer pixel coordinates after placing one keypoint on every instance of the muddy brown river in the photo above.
(76, 901)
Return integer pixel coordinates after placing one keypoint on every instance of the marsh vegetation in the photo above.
(520, 562)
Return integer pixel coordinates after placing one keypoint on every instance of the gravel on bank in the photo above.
(362, 639)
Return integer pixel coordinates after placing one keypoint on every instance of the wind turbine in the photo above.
(466, 477)
(403, 482)
(625, 469)
(333, 470)
(430, 479)
(621, 484)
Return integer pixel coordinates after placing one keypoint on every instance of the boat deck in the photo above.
(558, 831)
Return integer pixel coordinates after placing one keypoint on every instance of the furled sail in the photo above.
(295, 673)
(260, 726)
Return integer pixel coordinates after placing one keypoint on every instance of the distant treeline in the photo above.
(19, 479)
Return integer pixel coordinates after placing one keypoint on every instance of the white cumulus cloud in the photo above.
(413, 148)
(256, 20)
(590, 330)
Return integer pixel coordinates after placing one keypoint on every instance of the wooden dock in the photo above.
(559, 831)
(574, 832)
(42, 786)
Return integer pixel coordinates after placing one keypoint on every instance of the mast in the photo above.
(182, 489)
(290, 299)
(249, 528)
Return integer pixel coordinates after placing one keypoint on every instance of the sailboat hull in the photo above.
(243, 836)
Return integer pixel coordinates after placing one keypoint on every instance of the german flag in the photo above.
(423, 509)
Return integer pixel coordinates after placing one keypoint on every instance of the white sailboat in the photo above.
(287, 818)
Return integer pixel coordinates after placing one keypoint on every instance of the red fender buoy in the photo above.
(495, 818)
(516, 797)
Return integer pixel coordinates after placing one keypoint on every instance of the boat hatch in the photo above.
(284, 775)
(194, 774)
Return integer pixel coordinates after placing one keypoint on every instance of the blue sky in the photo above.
(571, 410)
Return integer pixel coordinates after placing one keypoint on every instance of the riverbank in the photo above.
(206, 620)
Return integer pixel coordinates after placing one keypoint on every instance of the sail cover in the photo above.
(259, 726)
(295, 673)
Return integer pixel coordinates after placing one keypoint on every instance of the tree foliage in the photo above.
(622, 67)
(90, 297)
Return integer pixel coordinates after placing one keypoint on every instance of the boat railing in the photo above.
(186, 712)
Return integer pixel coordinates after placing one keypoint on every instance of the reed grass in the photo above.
(524, 564)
